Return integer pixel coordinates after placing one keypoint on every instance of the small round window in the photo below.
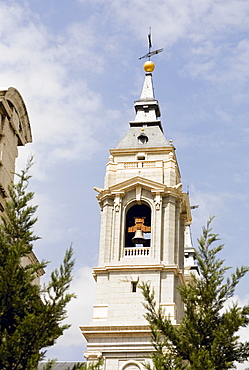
(142, 139)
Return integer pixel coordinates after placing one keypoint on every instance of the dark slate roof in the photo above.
(155, 138)
(59, 365)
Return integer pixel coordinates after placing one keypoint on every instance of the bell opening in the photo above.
(138, 224)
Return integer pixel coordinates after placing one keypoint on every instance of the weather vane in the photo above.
(150, 53)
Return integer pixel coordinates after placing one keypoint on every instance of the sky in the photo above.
(75, 63)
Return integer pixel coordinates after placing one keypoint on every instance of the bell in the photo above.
(139, 237)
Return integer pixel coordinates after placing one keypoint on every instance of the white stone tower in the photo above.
(144, 213)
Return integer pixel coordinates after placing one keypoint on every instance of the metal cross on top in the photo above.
(150, 53)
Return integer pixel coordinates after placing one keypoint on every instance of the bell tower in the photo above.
(144, 214)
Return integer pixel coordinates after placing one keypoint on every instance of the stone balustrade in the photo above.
(137, 251)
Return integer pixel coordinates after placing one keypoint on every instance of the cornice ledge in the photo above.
(151, 267)
(115, 328)
(119, 330)
(154, 187)
(174, 192)
(160, 149)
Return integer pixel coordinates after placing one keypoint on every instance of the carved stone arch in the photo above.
(137, 197)
(131, 202)
(132, 365)
(15, 101)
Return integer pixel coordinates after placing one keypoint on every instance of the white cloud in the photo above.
(65, 113)
(174, 19)
(213, 203)
(208, 33)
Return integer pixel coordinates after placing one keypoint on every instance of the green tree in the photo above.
(30, 316)
(207, 337)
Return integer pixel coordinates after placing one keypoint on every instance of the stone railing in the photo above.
(142, 164)
(137, 251)
(128, 165)
(149, 164)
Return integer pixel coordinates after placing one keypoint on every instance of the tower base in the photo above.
(121, 347)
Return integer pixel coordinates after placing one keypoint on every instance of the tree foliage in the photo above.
(92, 365)
(30, 316)
(207, 337)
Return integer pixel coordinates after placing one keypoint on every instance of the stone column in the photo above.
(116, 230)
(156, 229)
(106, 231)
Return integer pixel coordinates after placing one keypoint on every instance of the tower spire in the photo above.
(147, 107)
(148, 89)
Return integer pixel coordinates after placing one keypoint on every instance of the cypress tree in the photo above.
(30, 316)
(207, 337)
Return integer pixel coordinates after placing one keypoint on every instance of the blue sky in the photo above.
(76, 65)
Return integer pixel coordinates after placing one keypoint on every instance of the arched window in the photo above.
(138, 223)
(131, 367)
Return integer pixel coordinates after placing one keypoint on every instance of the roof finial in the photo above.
(150, 66)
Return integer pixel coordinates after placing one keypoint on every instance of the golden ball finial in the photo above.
(149, 66)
